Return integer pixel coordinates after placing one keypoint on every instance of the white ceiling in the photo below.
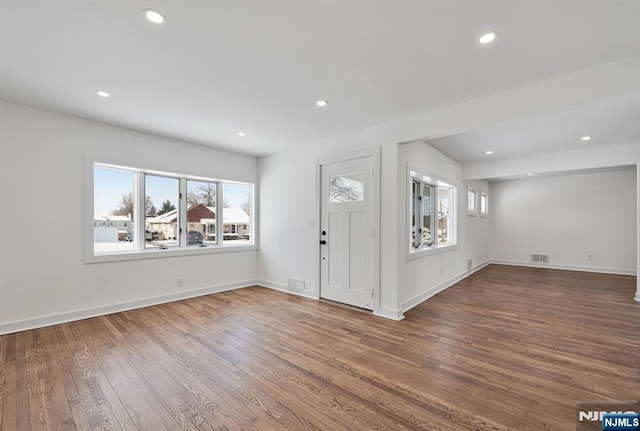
(610, 122)
(219, 67)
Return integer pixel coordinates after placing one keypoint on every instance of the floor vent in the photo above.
(540, 258)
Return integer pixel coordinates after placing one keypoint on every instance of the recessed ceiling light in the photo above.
(488, 37)
(322, 103)
(242, 134)
(585, 138)
(530, 175)
(154, 16)
(488, 153)
(103, 93)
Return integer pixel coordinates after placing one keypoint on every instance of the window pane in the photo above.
(471, 205)
(415, 213)
(347, 188)
(201, 213)
(445, 198)
(236, 213)
(113, 209)
(483, 203)
(427, 218)
(161, 224)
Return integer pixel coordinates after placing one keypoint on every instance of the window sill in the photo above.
(90, 258)
(418, 254)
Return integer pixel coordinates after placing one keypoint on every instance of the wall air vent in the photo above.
(540, 258)
(294, 285)
(291, 285)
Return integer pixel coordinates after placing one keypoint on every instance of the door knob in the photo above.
(323, 242)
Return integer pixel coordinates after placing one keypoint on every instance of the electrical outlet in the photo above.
(590, 257)
(180, 282)
(441, 272)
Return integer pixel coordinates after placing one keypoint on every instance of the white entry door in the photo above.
(346, 232)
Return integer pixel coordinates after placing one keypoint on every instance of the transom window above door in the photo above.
(347, 187)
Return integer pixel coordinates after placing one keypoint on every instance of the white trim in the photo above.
(182, 211)
(377, 190)
(283, 288)
(389, 313)
(87, 313)
(170, 252)
(474, 212)
(566, 267)
(347, 156)
(418, 299)
(486, 196)
(420, 253)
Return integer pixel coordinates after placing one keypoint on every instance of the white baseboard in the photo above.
(637, 297)
(565, 267)
(389, 313)
(55, 319)
(418, 299)
(283, 288)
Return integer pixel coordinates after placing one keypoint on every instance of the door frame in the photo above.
(371, 152)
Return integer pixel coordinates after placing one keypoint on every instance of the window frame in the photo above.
(484, 194)
(472, 211)
(415, 210)
(141, 252)
(181, 236)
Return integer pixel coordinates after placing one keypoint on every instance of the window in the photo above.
(444, 211)
(201, 213)
(347, 188)
(236, 213)
(472, 208)
(432, 221)
(140, 211)
(161, 224)
(114, 191)
(484, 204)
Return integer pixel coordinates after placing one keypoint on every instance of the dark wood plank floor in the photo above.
(506, 349)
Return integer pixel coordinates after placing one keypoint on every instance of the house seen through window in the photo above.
(432, 214)
(135, 211)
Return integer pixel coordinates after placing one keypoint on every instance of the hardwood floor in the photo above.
(506, 349)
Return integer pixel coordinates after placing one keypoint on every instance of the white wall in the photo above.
(567, 217)
(423, 277)
(287, 205)
(42, 275)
